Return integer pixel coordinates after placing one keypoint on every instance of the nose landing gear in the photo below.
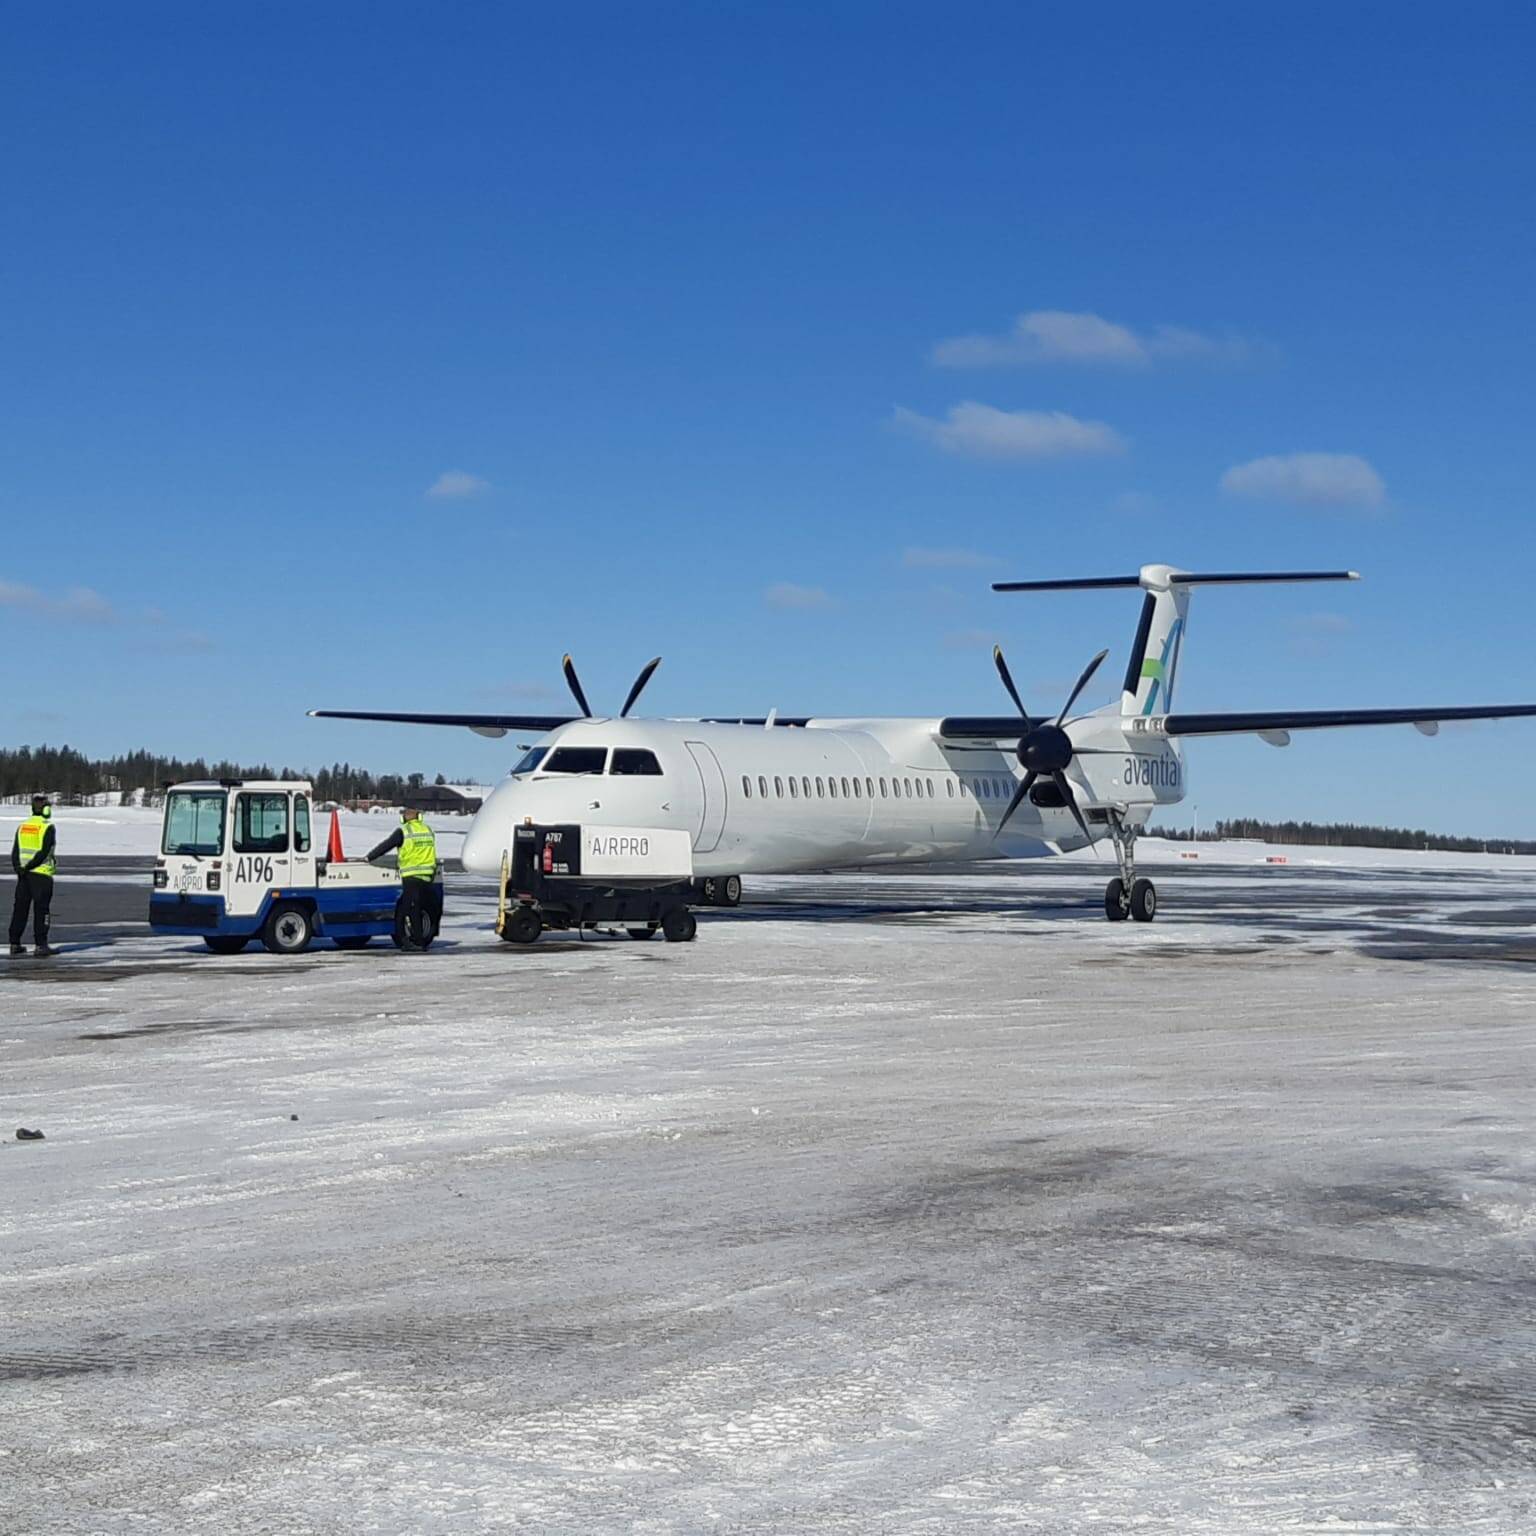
(1126, 895)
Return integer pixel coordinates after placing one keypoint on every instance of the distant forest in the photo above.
(1343, 834)
(71, 775)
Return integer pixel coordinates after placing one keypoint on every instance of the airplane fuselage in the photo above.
(782, 799)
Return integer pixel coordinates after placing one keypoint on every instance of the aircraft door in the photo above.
(712, 801)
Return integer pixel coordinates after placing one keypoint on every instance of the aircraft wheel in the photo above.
(1116, 907)
(522, 926)
(225, 943)
(642, 933)
(288, 931)
(730, 891)
(1143, 901)
(679, 926)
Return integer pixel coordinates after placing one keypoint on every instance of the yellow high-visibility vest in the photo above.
(418, 852)
(30, 840)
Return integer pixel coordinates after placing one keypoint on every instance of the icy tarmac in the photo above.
(893, 1204)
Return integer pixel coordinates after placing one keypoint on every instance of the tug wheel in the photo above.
(288, 931)
(225, 943)
(1116, 907)
(522, 926)
(642, 933)
(679, 926)
(1143, 901)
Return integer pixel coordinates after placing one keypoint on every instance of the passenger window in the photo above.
(746, 786)
(820, 788)
(949, 784)
(261, 824)
(805, 787)
(906, 785)
(883, 795)
(301, 823)
(778, 787)
(762, 786)
(794, 793)
(856, 789)
(869, 787)
(845, 787)
(832, 789)
(636, 761)
(577, 760)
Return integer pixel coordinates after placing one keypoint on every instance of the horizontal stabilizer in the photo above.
(1279, 720)
(1173, 579)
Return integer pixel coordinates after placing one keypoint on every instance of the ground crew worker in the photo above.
(420, 909)
(32, 858)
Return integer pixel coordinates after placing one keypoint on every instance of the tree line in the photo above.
(1342, 834)
(71, 775)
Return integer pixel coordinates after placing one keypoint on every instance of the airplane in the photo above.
(787, 795)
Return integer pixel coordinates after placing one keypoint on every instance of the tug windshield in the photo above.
(194, 822)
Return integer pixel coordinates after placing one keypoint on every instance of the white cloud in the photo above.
(984, 432)
(1065, 336)
(1308, 479)
(79, 605)
(1314, 634)
(917, 559)
(456, 485)
(786, 594)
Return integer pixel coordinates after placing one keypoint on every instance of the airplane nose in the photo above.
(489, 835)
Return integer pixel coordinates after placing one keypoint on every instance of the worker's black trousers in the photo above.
(419, 903)
(34, 894)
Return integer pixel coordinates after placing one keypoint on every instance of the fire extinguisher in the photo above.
(549, 859)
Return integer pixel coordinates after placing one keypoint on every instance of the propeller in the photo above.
(573, 682)
(1045, 749)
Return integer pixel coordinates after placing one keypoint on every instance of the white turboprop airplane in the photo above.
(788, 795)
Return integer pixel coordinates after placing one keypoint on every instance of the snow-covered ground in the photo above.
(107, 830)
(93, 831)
(890, 1205)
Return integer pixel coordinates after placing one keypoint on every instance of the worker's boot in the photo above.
(18, 950)
(44, 950)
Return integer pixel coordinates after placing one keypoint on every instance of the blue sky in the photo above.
(765, 338)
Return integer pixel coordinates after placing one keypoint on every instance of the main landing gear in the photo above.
(1126, 896)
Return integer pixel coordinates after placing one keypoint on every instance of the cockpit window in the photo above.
(530, 759)
(576, 760)
(635, 760)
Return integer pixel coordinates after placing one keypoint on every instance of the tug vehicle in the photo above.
(636, 878)
(238, 861)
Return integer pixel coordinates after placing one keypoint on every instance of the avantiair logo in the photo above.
(1161, 670)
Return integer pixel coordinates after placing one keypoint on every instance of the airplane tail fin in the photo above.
(1152, 667)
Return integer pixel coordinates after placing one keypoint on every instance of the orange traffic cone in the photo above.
(334, 853)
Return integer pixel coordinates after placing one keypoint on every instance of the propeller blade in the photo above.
(1082, 682)
(640, 682)
(1019, 796)
(574, 684)
(1007, 677)
(1060, 780)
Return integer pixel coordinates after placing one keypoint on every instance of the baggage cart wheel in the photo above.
(679, 926)
(288, 931)
(522, 926)
(225, 943)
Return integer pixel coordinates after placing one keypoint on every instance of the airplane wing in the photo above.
(482, 725)
(1280, 720)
